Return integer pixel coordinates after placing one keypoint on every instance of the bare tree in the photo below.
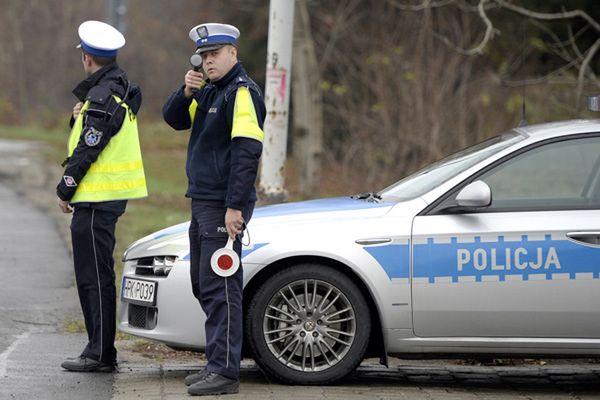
(307, 105)
(401, 82)
(569, 50)
(387, 87)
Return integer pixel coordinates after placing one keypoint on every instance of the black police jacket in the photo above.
(219, 167)
(103, 114)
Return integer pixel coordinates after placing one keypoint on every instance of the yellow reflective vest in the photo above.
(118, 173)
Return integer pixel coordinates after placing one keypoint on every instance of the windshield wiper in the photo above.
(371, 197)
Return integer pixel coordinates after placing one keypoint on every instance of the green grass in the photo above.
(164, 154)
(78, 326)
(73, 326)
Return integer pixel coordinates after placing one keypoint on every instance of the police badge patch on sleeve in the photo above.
(69, 181)
(92, 136)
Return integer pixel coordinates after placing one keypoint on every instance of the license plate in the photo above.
(139, 291)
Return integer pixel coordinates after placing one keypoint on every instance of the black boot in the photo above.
(214, 384)
(84, 364)
(196, 377)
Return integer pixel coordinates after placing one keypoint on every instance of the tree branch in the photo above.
(489, 29)
(343, 13)
(548, 78)
(488, 35)
(584, 65)
(550, 16)
(426, 4)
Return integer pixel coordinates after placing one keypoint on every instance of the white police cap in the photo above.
(214, 36)
(100, 39)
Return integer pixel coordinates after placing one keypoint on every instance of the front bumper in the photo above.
(177, 318)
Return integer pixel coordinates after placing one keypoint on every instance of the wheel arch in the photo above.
(376, 346)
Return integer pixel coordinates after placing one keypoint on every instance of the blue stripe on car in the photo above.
(393, 258)
(499, 258)
(245, 250)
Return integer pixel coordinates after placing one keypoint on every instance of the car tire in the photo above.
(308, 325)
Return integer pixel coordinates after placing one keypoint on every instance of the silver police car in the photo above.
(494, 250)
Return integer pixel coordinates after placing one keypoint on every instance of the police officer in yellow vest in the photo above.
(103, 170)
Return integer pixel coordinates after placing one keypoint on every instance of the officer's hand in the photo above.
(233, 222)
(193, 80)
(64, 206)
(77, 110)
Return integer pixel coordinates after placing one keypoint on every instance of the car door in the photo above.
(526, 266)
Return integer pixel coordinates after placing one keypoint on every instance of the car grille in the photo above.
(142, 317)
(154, 266)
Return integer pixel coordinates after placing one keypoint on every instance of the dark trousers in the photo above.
(93, 238)
(220, 298)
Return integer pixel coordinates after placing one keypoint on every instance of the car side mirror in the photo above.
(475, 195)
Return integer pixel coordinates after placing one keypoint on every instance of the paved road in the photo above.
(403, 380)
(36, 291)
(37, 295)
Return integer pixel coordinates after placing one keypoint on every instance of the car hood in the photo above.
(174, 240)
(338, 207)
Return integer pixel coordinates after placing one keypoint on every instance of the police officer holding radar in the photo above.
(225, 114)
(102, 171)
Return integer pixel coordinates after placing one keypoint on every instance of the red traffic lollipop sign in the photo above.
(225, 262)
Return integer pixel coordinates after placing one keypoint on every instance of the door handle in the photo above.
(588, 237)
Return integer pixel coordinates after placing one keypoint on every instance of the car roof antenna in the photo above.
(523, 121)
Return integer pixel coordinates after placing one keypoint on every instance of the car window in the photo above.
(560, 175)
(437, 173)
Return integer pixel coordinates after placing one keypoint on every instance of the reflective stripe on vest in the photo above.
(245, 123)
(118, 173)
(192, 110)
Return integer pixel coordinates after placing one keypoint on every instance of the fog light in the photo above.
(161, 266)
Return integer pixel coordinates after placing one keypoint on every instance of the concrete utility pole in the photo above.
(277, 98)
(115, 14)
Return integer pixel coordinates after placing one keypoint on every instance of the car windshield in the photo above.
(423, 181)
